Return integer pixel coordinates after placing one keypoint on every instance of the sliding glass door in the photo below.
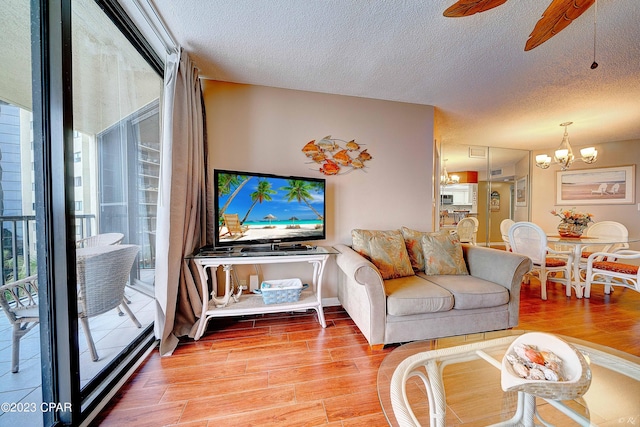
(79, 143)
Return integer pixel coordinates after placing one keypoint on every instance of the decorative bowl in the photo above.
(576, 374)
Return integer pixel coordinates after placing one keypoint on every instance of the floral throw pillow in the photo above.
(443, 254)
(413, 242)
(385, 249)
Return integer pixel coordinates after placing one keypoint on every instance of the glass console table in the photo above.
(233, 302)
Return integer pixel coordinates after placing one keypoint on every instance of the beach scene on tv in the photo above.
(257, 208)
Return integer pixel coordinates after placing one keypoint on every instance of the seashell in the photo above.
(520, 370)
(550, 374)
(519, 349)
(536, 374)
(534, 356)
(550, 356)
(554, 366)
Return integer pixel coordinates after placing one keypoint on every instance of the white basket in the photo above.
(281, 291)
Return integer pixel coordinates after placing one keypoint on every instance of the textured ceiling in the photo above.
(473, 69)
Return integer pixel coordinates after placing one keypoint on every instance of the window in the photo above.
(78, 204)
(77, 157)
(77, 181)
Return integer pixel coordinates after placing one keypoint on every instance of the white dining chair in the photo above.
(607, 230)
(505, 225)
(527, 238)
(601, 270)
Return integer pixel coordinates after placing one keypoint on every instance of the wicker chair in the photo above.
(528, 239)
(103, 273)
(600, 269)
(505, 225)
(103, 239)
(467, 229)
(19, 301)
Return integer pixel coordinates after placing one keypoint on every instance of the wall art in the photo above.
(600, 186)
(336, 156)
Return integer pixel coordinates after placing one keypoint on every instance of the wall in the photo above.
(543, 195)
(263, 129)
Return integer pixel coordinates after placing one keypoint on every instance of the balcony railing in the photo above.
(18, 243)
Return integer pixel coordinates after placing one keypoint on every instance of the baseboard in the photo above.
(330, 302)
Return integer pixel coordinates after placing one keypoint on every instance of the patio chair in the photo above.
(19, 301)
(102, 274)
(615, 188)
(232, 222)
(100, 240)
(467, 229)
(612, 273)
(527, 238)
(505, 225)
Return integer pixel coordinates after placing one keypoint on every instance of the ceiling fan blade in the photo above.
(557, 17)
(471, 7)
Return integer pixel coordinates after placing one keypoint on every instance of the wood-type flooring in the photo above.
(285, 370)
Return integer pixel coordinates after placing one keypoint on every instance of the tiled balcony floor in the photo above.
(110, 332)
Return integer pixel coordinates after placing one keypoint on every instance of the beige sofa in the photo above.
(419, 307)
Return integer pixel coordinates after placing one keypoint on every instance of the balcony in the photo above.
(112, 331)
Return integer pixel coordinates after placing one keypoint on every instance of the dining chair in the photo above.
(467, 230)
(505, 225)
(19, 301)
(601, 270)
(527, 238)
(102, 273)
(605, 229)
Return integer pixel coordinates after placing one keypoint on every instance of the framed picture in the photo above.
(521, 191)
(601, 186)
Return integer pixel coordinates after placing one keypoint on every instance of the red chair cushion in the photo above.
(585, 254)
(555, 262)
(618, 267)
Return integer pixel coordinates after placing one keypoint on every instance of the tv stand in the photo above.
(236, 303)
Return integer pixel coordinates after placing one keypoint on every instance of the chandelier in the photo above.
(445, 178)
(563, 156)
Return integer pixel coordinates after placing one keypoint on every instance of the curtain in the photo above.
(181, 221)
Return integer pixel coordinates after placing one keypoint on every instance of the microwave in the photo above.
(446, 199)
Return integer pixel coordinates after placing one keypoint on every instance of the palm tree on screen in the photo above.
(262, 193)
(301, 191)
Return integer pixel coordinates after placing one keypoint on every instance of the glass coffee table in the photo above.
(456, 381)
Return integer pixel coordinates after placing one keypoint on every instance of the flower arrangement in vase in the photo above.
(572, 223)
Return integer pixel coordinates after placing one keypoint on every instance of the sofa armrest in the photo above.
(501, 267)
(361, 293)
(498, 266)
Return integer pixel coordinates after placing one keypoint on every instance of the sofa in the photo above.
(475, 289)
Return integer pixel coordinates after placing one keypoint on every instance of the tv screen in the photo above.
(259, 209)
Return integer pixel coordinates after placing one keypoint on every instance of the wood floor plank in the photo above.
(317, 376)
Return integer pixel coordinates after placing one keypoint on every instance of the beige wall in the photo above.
(263, 129)
(609, 154)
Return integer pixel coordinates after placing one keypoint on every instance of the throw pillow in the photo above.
(443, 254)
(413, 241)
(385, 249)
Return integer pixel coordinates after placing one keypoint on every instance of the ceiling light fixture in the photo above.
(445, 178)
(564, 154)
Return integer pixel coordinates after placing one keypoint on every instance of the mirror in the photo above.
(488, 183)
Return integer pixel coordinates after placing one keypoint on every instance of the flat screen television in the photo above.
(264, 210)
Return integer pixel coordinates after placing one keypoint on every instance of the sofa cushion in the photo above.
(385, 249)
(471, 292)
(443, 254)
(413, 242)
(415, 295)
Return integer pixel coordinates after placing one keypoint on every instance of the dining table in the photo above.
(578, 243)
